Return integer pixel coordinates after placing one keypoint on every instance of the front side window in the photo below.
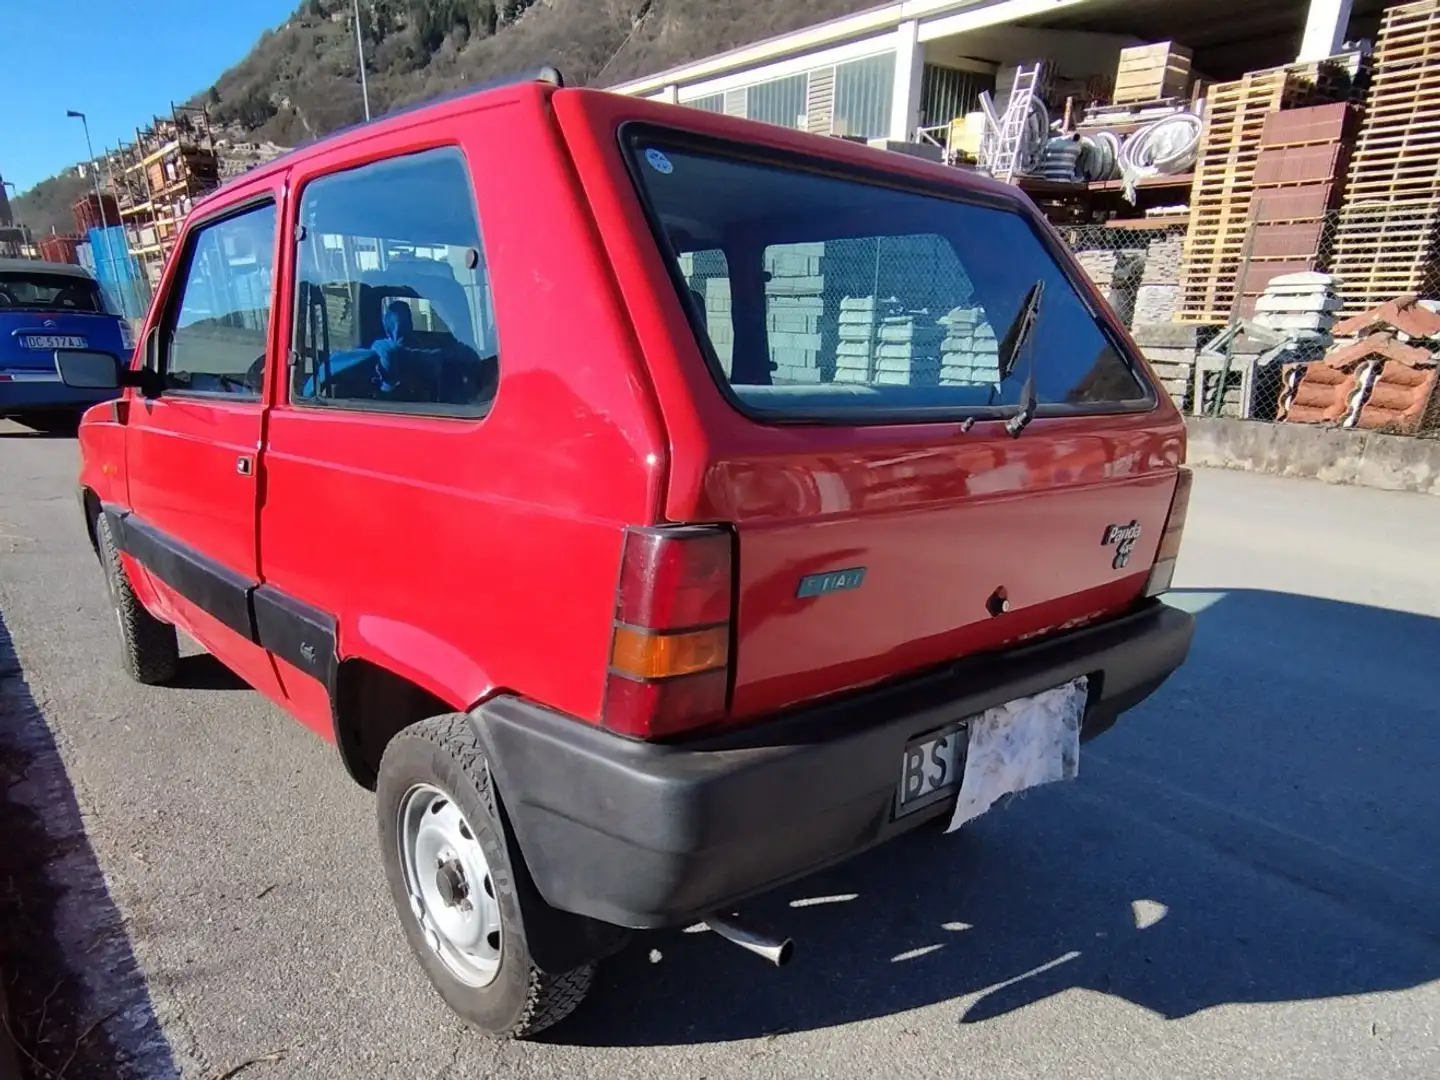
(27, 291)
(879, 304)
(216, 334)
(393, 307)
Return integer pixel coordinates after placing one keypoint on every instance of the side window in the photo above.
(393, 305)
(218, 329)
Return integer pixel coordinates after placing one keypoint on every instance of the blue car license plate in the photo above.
(53, 341)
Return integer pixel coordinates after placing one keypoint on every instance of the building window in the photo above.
(947, 94)
(863, 92)
(709, 103)
(780, 101)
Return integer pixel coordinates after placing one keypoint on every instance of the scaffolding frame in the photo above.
(157, 178)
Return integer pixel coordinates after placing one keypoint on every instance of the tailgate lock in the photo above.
(999, 602)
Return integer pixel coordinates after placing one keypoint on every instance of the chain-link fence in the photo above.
(1292, 320)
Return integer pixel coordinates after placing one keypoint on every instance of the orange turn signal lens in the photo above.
(639, 654)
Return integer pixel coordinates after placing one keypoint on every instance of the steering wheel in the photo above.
(255, 375)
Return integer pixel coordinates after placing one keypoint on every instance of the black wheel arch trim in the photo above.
(558, 940)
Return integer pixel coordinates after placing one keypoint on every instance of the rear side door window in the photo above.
(393, 304)
(215, 334)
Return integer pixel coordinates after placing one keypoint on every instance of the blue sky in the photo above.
(117, 61)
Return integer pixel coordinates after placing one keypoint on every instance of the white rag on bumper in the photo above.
(1021, 745)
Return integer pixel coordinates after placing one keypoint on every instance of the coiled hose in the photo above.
(1164, 148)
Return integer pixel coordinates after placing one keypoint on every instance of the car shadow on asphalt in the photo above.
(201, 671)
(71, 979)
(1261, 831)
(59, 429)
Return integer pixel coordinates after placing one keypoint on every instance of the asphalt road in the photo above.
(1244, 882)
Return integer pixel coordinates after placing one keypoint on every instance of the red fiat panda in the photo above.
(653, 507)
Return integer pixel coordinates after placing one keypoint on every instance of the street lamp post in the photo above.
(95, 185)
(360, 48)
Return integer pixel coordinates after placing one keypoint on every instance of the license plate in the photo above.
(52, 341)
(1004, 750)
(931, 769)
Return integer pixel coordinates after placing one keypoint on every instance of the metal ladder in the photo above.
(1011, 128)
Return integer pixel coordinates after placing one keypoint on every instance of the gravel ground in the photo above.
(1243, 882)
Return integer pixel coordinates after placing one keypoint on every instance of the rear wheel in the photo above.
(444, 843)
(149, 649)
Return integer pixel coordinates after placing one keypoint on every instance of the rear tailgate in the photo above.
(860, 567)
(851, 409)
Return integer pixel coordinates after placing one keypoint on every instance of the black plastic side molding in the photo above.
(220, 591)
(293, 630)
(298, 633)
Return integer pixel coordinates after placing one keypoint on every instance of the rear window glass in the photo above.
(818, 296)
(29, 291)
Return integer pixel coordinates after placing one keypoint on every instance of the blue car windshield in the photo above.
(38, 291)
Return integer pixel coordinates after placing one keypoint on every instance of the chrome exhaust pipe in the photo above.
(775, 949)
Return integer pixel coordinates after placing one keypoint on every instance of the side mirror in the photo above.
(89, 369)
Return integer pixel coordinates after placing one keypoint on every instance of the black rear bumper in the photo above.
(646, 836)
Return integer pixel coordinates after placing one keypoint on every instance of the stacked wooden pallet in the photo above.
(1388, 237)
(1152, 72)
(1304, 154)
(1220, 196)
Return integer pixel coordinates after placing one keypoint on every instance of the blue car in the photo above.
(43, 307)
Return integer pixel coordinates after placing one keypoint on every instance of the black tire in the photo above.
(522, 1000)
(149, 648)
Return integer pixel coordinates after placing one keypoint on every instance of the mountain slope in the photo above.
(301, 80)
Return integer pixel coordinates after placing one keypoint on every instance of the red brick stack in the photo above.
(1304, 154)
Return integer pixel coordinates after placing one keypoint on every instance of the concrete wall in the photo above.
(1390, 462)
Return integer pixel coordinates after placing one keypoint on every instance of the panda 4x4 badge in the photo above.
(1122, 538)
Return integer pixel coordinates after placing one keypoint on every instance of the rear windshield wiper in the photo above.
(1016, 339)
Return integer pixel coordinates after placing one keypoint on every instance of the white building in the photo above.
(884, 72)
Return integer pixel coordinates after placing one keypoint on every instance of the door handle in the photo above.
(244, 465)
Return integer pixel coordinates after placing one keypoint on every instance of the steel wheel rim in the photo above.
(449, 885)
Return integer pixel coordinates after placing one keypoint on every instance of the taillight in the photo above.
(670, 650)
(1164, 569)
